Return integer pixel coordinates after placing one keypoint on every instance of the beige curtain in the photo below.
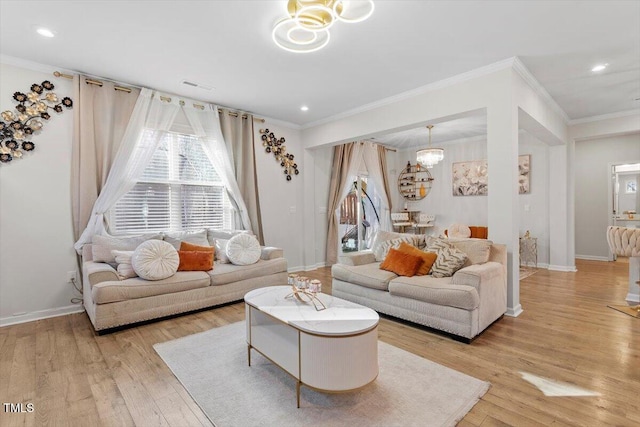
(382, 159)
(341, 177)
(237, 131)
(101, 117)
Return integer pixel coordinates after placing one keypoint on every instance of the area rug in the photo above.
(409, 391)
(631, 311)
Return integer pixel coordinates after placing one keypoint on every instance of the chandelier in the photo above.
(430, 156)
(306, 28)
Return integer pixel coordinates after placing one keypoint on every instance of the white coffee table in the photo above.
(333, 350)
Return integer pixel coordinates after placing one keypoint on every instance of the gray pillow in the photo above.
(194, 237)
(477, 250)
(102, 245)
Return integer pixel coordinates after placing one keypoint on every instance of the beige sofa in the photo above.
(463, 305)
(111, 302)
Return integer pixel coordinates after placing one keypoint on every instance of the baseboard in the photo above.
(42, 314)
(515, 311)
(633, 298)
(306, 267)
(592, 257)
(565, 268)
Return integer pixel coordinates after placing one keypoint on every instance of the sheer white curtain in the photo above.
(132, 157)
(206, 125)
(371, 160)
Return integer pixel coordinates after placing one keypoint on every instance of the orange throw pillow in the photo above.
(428, 258)
(401, 263)
(184, 246)
(195, 261)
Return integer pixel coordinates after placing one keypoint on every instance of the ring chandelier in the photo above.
(306, 28)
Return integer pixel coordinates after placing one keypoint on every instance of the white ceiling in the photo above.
(404, 45)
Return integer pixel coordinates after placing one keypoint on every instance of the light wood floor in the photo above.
(566, 333)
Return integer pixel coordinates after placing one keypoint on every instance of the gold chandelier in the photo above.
(429, 157)
(306, 28)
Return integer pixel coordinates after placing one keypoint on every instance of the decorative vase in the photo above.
(423, 191)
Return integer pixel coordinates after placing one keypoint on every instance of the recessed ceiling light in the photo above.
(599, 67)
(45, 32)
(304, 108)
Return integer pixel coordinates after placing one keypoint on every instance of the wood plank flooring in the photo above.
(566, 333)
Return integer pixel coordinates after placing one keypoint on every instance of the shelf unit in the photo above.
(412, 179)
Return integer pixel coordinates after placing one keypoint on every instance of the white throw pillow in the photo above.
(155, 260)
(125, 269)
(243, 249)
(213, 234)
(102, 245)
(221, 251)
(459, 231)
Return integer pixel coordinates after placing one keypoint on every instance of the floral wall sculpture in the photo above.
(279, 150)
(17, 127)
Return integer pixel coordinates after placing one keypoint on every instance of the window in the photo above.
(179, 190)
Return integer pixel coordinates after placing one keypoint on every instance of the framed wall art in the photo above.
(472, 178)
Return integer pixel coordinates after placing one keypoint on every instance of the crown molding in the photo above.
(31, 65)
(526, 75)
(277, 122)
(440, 84)
(608, 116)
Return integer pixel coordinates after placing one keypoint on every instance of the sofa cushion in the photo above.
(102, 245)
(194, 237)
(449, 258)
(243, 249)
(123, 259)
(382, 249)
(195, 261)
(155, 260)
(122, 290)
(477, 250)
(367, 275)
(438, 291)
(428, 258)
(227, 273)
(401, 263)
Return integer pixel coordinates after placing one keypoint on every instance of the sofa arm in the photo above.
(96, 272)
(357, 258)
(490, 281)
(269, 252)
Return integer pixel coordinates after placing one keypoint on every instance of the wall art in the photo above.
(16, 127)
(471, 178)
(276, 146)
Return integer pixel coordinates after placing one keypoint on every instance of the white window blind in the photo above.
(178, 190)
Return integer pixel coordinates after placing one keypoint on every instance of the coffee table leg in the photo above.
(298, 392)
(249, 353)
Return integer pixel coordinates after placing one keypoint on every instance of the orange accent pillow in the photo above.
(195, 261)
(401, 263)
(428, 258)
(185, 246)
(479, 232)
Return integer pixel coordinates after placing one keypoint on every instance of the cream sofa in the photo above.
(111, 302)
(462, 305)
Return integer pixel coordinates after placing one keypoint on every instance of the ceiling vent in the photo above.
(198, 85)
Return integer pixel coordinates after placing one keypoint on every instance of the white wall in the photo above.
(281, 201)
(534, 207)
(593, 159)
(36, 238)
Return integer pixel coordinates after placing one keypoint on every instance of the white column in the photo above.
(308, 211)
(502, 155)
(559, 209)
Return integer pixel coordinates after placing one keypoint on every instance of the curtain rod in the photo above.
(377, 143)
(163, 98)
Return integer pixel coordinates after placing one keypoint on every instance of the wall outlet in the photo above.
(71, 276)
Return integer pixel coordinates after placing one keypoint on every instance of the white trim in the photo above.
(31, 65)
(440, 84)
(276, 122)
(633, 298)
(592, 257)
(42, 314)
(565, 268)
(514, 311)
(604, 117)
(526, 75)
